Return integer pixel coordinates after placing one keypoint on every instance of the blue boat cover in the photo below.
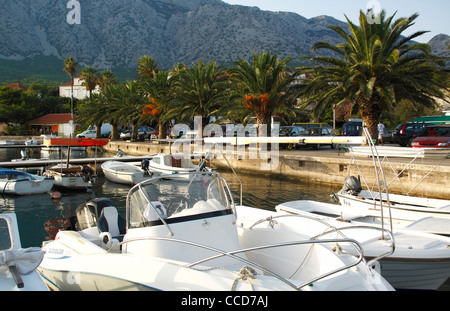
(7, 171)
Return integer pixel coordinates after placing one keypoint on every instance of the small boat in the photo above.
(421, 261)
(18, 265)
(182, 235)
(7, 142)
(173, 166)
(72, 177)
(22, 183)
(352, 195)
(123, 173)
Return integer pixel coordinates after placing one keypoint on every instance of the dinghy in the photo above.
(22, 183)
(123, 173)
(174, 166)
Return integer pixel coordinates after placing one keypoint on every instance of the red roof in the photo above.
(17, 86)
(54, 118)
(70, 82)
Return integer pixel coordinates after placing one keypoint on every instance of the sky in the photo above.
(433, 14)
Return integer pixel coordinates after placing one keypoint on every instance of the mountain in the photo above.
(35, 34)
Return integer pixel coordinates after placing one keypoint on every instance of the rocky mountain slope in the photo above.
(116, 33)
(171, 31)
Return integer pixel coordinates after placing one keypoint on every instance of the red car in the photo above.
(433, 136)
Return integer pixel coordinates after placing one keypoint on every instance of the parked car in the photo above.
(405, 133)
(388, 137)
(314, 125)
(317, 131)
(433, 136)
(289, 131)
(91, 132)
(352, 129)
(144, 133)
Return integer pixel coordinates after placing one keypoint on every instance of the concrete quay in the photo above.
(324, 166)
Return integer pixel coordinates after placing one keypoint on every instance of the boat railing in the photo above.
(233, 254)
(331, 229)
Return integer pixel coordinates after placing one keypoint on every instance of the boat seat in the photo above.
(110, 221)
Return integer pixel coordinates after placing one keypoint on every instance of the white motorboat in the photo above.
(22, 183)
(72, 177)
(182, 235)
(123, 173)
(18, 265)
(401, 206)
(420, 260)
(173, 166)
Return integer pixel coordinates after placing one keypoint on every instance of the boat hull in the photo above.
(418, 206)
(81, 281)
(26, 187)
(123, 173)
(417, 274)
(421, 261)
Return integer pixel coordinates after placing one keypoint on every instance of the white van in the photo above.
(92, 131)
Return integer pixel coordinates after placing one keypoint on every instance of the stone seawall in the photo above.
(326, 166)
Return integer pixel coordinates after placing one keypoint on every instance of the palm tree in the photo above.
(146, 67)
(107, 77)
(130, 102)
(90, 79)
(70, 67)
(200, 90)
(263, 88)
(94, 110)
(159, 91)
(375, 68)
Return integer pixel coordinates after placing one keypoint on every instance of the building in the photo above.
(79, 91)
(16, 86)
(59, 124)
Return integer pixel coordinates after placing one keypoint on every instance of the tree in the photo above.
(107, 78)
(146, 67)
(70, 67)
(90, 79)
(200, 90)
(263, 88)
(130, 102)
(375, 68)
(159, 91)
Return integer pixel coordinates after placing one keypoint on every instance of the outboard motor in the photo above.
(352, 185)
(144, 164)
(202, 165)
(89, 173)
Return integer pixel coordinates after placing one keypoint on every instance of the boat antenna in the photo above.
(374, 152)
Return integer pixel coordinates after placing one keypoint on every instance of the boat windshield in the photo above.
(159, 200)
(5, 236)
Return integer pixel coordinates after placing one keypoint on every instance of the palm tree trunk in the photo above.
(370, 110)
(162, 127)
(98, 133)
(261, 121)
(114, 132)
